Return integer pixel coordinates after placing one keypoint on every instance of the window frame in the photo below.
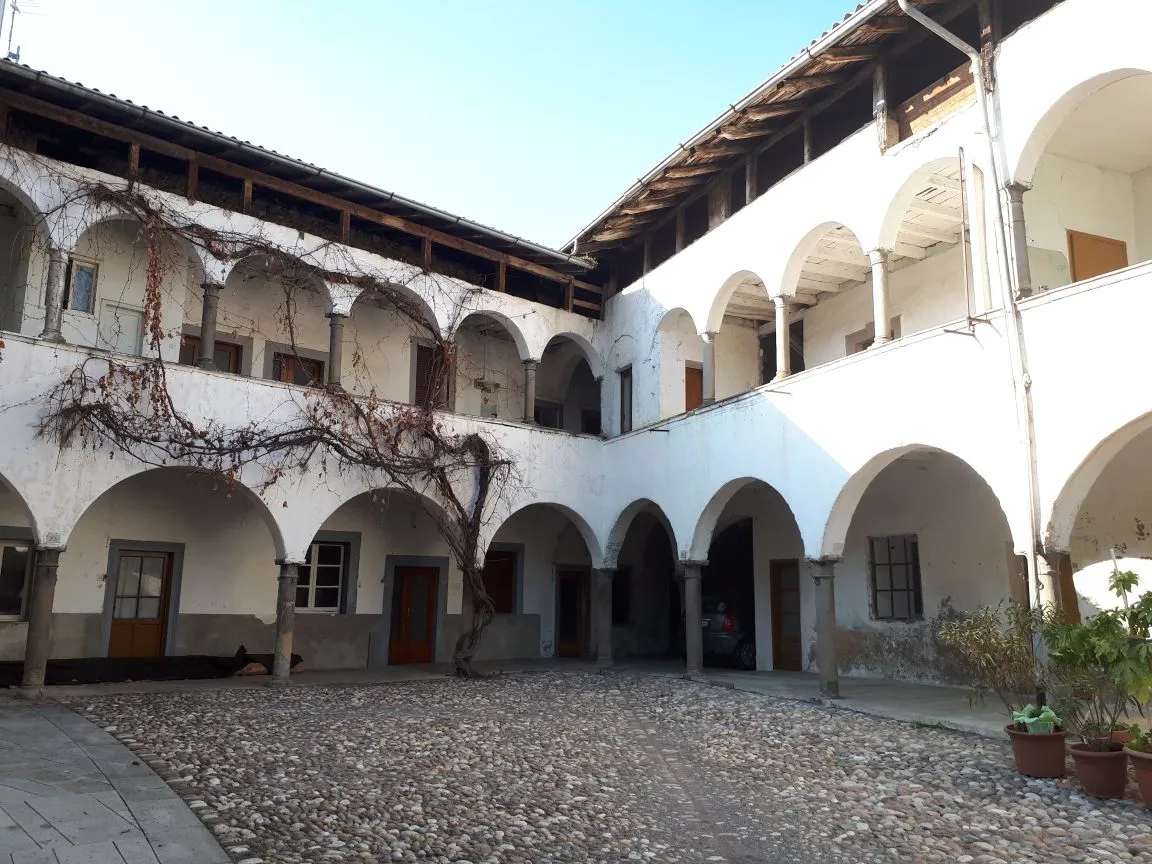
(70, 279)
(626, 398)
(342, 588)
(515, 555)
(278, 358)
(546, 405)
(8, 539)
(913, 589)
(235, 352)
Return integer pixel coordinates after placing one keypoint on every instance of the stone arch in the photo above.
(13, 501)
(940, 178)
(1060, 110)
(705, 529)
(723, 297)
(504, 321)
(623, 522)
(591, 355)
(848, 499)
(579, 522)
(832, 248)
(38, 193)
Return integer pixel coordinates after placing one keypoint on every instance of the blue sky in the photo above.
(529, 115)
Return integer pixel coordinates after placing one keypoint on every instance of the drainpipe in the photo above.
(1021, 380)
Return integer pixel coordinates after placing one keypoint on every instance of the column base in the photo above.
(207, 364)
(878, 343)
(52, 336)
(31, 694)
(830, 690)
(273, 681)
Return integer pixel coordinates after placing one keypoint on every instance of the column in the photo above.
(530, 391)
(285, 613)
(603, 579)
(1019, 238)
(335, 348)
(709, 367)
(54, 298)
(783, 339)
(38, 644)
(879, 259)
(824, 577)
(1047, 590)
(751, 186)
(207, 359)
(693, 613)
(887, 126)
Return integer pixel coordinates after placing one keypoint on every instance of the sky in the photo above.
(532, 116)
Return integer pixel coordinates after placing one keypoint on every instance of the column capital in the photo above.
(530, 363)
(1016, 190)
(57, 255)
(708, 336)
(824, 568)
(211, 287)
(782, 301)
(878, 256)
(691, 565)
(342, 316)
(604, 574)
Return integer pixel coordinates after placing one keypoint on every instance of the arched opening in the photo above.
(753, 596)
(168, 562)
(23, 266)
(827, 285)
(538, 571)
(489, 378)
(383, 587)
(567, 390)
(925, 538)
(17, 554)
(385, 343)
(1101, 518)
(270, 322)
(741, 310)
(647, 590)
(1089, 165)
(681, 355)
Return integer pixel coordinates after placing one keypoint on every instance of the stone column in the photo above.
(38, 644)
(54, 298)
(879, 259)
(207, 358)
(783, 339)
(530, 391)
(1047, 592)
(824, 576)
(693, 612)
(1019, 238)
(335, 348)
(285, 614)
(709, 368)
(604, 579)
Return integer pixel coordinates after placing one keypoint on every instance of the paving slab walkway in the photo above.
(70, 793)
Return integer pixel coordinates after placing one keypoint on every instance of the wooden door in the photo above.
(693, 387)
(140, 604)
(413, 615)
(571, 611)
(1090, 255)
(787, 653)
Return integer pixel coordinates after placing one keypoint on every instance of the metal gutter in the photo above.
(848, 26)
(75, 90)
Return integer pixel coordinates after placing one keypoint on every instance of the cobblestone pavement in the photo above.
(579, 767)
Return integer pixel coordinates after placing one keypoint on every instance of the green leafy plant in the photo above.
(995, 646)
(1040, 720)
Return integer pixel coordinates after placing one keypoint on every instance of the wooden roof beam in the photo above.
(838, 54)
(737, 133)
(685, 171)
(770, 110)
(646, 205)
(803, 83)
(887, 24)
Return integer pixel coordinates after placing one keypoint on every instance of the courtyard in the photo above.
(583, 767)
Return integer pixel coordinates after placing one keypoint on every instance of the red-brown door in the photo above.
(571, 611)
(140, 604)
(413, 615)
(693, 387)
(787, 653)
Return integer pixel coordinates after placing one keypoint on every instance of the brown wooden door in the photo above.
(787, 653)
(1090, 256)
(140, 604)
(413, 615)
(693, 387)
(571, 611)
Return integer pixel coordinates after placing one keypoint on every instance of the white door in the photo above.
(121, 328)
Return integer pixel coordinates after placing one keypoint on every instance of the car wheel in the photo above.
(745, 655)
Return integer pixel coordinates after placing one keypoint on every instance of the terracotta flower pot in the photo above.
(1142, 763)
(1122, 736)
(1037, 754)
(1102, 773)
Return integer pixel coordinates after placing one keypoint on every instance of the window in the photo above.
(80, 285)
(121, 329)
(622, 598)
(322, 578)
(625, 399)
(500, 581)
(590, 421)
(292, 369)
(550, 415)
(15, 568)
(226, 355)
(895, 566)
(431, 378)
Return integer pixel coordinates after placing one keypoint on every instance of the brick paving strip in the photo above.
(70, 793)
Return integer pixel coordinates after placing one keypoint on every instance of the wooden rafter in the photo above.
(741, 133)
(774, 109)
(848, 54)
(887, 24)
(687, 171)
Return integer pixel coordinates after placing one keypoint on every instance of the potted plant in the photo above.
(995, 644)
(1101, 670)
(1139, 752)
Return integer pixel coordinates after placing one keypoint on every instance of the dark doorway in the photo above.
(413, 615)
(787, 653)
(728, 583)
(571, 611)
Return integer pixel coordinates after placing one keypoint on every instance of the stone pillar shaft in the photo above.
(879, 260)
(783, 339)
(335, 348)
(529, 391)
(824, 576)
(603, 578)
(285, 615)
(54, 298)
(693, 612)
(38, 645)
(207, 358)
(1019, 238)
(709, 364)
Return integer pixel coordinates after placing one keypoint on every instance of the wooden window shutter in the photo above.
(424, 358)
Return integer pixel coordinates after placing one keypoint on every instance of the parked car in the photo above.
(729, 631)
